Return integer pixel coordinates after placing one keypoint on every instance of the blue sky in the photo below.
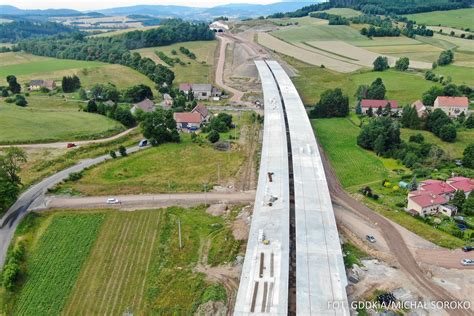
(94, 4)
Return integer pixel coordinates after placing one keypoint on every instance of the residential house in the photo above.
(167, 102)
(452, 106)
(146, 106)
(366, 104)
(36, 85)
(205, 114)
(201, 91)
(420, 108)
(462, 183)
(433, 196)
(187, 121)
(425, 203)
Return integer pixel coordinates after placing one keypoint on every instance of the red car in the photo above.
(71, 145)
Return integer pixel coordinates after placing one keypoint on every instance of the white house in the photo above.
(452, 106)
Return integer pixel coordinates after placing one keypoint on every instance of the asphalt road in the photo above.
(36, 194)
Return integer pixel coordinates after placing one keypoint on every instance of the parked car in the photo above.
(113, 201)
(71, 145)
(467, 248)
(467, 262)
(370, 238)
(143, 143)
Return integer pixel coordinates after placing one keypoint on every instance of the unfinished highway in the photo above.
(293, 263)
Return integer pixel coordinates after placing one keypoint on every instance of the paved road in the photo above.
(143, 201)
(36, 195)
(63, 145)
(396, 243)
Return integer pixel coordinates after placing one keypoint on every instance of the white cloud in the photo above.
(95, 5)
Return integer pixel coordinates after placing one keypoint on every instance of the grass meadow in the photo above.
(49, 119)
(199, 70)
(462, 18)
(108, 262)
(27, 67)
(352, 164)
(183, 167)
(312, 81)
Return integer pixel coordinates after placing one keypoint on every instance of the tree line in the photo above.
(18, 30)
(116, 49)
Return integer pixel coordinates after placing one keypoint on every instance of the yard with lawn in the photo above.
(50, 119)
(199, 70)
(101, 262)
(183, 167)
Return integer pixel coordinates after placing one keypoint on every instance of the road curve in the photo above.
(392, 236)
(36, 194)
(63, 145)
(237, 94)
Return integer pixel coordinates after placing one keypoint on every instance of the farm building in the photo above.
(452, 106)
(433, 196)
(420, 108)
(201, 91)
(146, 106)
(187, 121)
(202, 109)
(366, 104)
(35, 85)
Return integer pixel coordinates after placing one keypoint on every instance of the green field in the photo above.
(462, 18)
(199, 70)
(455, 150)
(108, 262)
(55, 263)
(183, 167)
(27, 67)
(311, 32)
(345, 12)
(49, 119)
(352, 164)
(312, 81)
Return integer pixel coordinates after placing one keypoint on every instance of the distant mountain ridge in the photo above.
(237, 10)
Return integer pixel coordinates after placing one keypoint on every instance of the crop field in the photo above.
(184, 167)
(49, 119)
(56, 262)
(312, 81)
(462, 18)
(455, 150)
(352, 164)
(306, 33)
(420, 52)
(107, 262)
(197, 70)
(309, 56)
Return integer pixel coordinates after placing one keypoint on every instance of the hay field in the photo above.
(362, 56)
(345, 12)
(305, 55)
(422, 52)
(462, 18)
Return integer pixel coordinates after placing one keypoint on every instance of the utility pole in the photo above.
(179, 234)
(205, 194)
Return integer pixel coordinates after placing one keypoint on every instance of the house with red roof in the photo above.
(433, 196)
(462, 183)
(420, 108)
(452, 106)
(366, 104)
(187, 121)
(202, 109)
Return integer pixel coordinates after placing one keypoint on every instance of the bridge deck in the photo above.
(264, 282)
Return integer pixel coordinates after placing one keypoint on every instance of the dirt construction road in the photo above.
(398, 248)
